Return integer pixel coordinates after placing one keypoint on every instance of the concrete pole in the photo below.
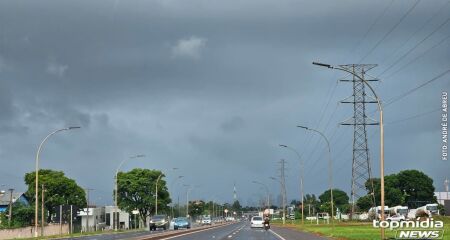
(156, 194)
(36, 180)
(71, 219)
(60, 219)
(42, 210)
(10, 205)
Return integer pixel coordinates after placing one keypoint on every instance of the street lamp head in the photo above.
(322, 64)
(303, 127)
(282, 145)
(138, 156)
(272, 178)
(180, 176)
(70, 128)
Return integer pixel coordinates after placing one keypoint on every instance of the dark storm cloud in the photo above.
(211, 84)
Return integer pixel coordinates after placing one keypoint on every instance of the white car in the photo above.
(206, 221)
(396, 218)
(257, 222)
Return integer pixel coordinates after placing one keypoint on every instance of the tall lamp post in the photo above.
(156, 193)
(116, 210)
(301, 174)
(267, 192)
(330, 166)
(36, 197)
(283, 195)
(171, 187)
(189, 188)
(380, 109)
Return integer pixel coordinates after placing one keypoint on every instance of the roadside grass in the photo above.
(352, 230)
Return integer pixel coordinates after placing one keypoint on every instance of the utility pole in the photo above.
(156, 194)
(71, 219)
(87, 209)
(361, 167)
(283, 187)
(42, 209)
(347, 68)
(10, 205)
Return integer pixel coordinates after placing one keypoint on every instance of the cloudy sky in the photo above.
(212, 88)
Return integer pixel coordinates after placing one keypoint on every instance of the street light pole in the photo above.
(380, 109)
(156, 194)
(267, 192)
(301, 174)
(36, 195)
(171, 186)
(116, 212)
(187, 199)
(330, 166)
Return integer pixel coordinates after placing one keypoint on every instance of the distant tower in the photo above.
(234, 193)
(361, 171)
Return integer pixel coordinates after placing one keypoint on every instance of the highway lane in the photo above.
(237, 231)
(243, 231)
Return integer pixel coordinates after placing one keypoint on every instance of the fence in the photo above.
(28, 232)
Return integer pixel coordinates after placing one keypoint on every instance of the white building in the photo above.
(442, 196)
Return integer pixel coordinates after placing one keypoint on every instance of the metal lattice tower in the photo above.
(361, 167)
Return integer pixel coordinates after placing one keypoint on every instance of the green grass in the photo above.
(353, 230)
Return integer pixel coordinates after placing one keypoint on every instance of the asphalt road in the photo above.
(242, 231)
(236, 231)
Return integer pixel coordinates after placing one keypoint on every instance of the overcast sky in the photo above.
(212, 88)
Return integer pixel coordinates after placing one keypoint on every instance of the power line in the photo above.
(419, 56)
(399, 97)
(390, 31)
(434, 15)
(373, 25)
(413, 117)
(417, 45)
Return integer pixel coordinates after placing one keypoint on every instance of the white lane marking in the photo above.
(276, 234)
(184, 234)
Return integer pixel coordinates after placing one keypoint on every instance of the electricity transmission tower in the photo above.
(361, 170)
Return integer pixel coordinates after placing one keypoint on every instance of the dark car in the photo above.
(159, 221)
(182, 223)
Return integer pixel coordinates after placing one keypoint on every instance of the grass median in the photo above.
(351, 229)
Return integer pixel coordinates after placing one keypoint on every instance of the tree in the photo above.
(364, 203)
(236, 206)
(416, 186)
(410, 187)
(22, 216)
(136, 190)
(340, 197)
(59, 189)
(311, 202)
(197, 208)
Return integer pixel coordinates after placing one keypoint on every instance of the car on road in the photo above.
(206, 220)
(182, 222)
(396, 218)
(159, 221)
(257, 222)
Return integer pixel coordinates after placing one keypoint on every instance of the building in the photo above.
(16, 197)
(442, 196)
(100, 218)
